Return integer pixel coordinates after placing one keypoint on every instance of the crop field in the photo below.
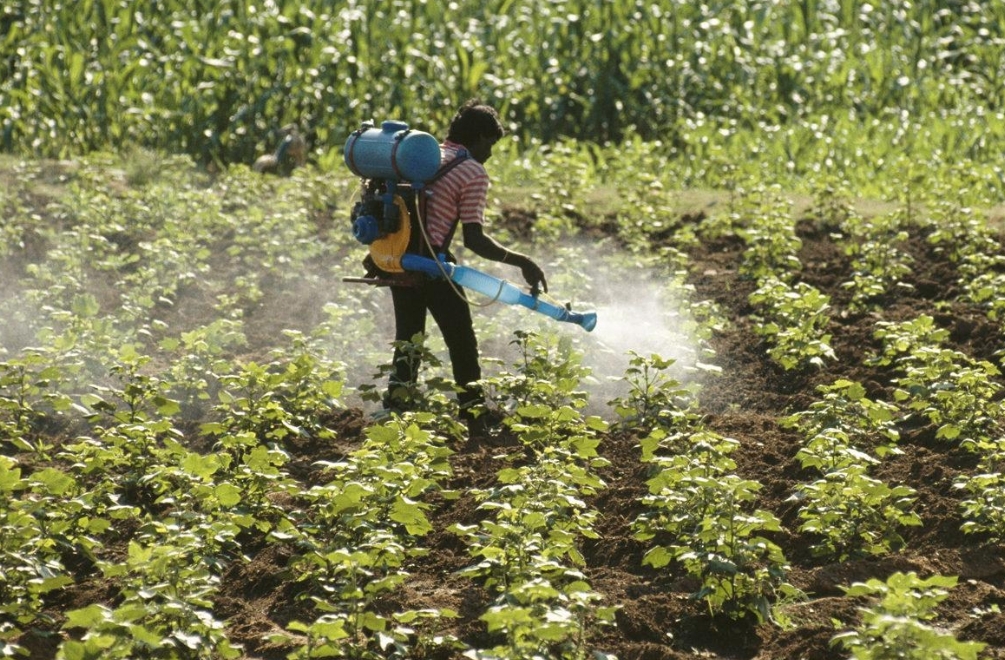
(785, 438)
(189, 469)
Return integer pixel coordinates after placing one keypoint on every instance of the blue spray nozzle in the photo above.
(588, 320)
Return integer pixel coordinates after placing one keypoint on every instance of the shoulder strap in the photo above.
(462, 155)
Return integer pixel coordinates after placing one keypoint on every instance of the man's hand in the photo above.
(534, 276)
(478, 242)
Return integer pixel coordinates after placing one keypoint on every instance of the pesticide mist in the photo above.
(638, 315)
(638, 310)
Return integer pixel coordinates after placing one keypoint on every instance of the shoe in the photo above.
(483, 421)
(379, 416)
(385, 414)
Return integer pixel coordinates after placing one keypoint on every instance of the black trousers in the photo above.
(452, 314)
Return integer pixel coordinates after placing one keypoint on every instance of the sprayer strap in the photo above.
(462, 155)
(394, 151)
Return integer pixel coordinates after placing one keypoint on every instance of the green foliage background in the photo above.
(786, 80)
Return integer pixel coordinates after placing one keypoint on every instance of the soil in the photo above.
(658, 619)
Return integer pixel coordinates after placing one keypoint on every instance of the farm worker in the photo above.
(291, 153)
(457, 197)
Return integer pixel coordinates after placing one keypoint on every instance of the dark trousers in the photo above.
(452, 315)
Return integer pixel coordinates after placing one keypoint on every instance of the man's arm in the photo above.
(486, 247)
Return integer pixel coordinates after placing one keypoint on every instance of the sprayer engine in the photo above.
(374, 216)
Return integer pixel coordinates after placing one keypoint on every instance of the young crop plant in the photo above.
(844, 405)
(528, 554)
(983, 282)
(430, 396)
(30, 391)
(855, 514)
(769, 233)
(240, 494)
(565, 172)
(542, 620)
(166, 230)
(851, 513)
(901, 340)
(843, 427)
(358, 532)
(132, 436)
(876, 260)
(896, 624)
(139, 397)
(165, 606)
(527, 549)
(984, 511)
(34, 534)
(832, 206)
(958, 230)
(654, 398)
(549, 373)
(702, 516)
(833, 450)
(197, 359)
(544, 502)
(290, 396)
(793, 319)
(651, 216)
(969, 240)
(952, 391)
(81, 341)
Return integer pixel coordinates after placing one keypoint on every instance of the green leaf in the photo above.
(85, 306)
(166, 407)
(296, 626)
(228, 494)
(200, 466)
(408, 513)
(534, 411)
(55, 481)
(330, 630)
(150, 638)
(10, 479)
(372, 622)
(53, 583)
(73, 650)
(86, 617)
(332, 388)
(948, 432)
(657, 557)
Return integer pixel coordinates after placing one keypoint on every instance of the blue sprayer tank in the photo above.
(393, 152)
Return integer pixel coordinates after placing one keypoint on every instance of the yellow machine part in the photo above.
(386, 252)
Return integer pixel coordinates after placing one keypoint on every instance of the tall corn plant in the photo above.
(217, 79)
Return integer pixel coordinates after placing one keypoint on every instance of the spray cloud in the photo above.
(637, 313)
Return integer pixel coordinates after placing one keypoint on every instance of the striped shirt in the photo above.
(459, 195)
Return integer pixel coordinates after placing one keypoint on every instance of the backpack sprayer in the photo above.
(396, 163)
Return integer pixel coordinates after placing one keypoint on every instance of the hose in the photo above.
(429, 245)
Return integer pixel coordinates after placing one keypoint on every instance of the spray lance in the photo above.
(396, 163)
(495, 288)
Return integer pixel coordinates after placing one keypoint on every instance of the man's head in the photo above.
(477, 127)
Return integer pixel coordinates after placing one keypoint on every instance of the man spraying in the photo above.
(457, 196)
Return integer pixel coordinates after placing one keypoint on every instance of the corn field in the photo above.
(215, 80)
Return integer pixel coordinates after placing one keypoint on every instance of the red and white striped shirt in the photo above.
(459, 195)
